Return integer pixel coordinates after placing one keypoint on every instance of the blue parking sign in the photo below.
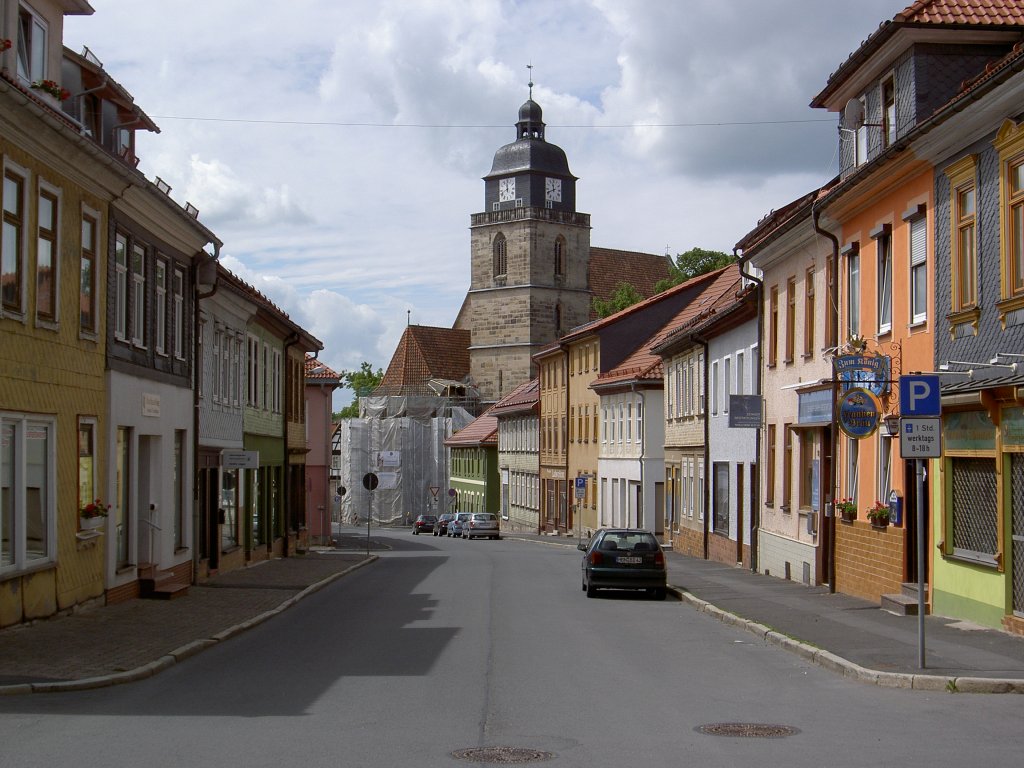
(920, 396)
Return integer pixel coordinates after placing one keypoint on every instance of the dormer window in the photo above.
(888, 111)
(32, 32)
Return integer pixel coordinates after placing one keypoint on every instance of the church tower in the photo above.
(530, 256)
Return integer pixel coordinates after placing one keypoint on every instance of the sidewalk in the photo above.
(850, 636)
(855, 638)
(133, 640)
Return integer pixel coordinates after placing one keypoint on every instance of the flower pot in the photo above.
(848, 517)
(91, 523)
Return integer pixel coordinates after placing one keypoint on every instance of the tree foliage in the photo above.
(362, 383)
(691, 263)
(626, 295)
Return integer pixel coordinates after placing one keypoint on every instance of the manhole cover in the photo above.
(501, 755)
(748, 730)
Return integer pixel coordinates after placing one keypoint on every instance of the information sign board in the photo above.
(921, 438)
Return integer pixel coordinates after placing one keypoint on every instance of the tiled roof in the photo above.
(426, 352)
(609, 267)
(988, 14)
(641, 305)
(226, 277)
(644, 363)
(317, 371)
(522, 398)
(776, 221)
(962, 12)
(483, 430)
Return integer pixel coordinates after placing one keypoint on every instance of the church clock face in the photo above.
(553, 190)
(506, 190)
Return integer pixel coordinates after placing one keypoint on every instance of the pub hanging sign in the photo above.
(866, 371)
(859, 412)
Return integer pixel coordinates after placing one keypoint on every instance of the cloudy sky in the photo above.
(337, 146)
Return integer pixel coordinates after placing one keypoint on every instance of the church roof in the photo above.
(609, 267)
(530, 151)
(424, 353)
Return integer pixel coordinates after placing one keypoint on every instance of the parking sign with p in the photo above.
(919, 396)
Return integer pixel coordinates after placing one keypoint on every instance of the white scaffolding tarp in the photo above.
(401, 440)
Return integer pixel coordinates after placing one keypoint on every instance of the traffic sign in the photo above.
(921, 438)
(370, 481)
(581, 487)
(920, 396)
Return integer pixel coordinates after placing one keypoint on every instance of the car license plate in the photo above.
(630, 560)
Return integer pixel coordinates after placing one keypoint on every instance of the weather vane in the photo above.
(530, 83)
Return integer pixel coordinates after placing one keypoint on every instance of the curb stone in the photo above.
(178, 654)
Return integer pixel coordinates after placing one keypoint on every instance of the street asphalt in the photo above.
(107, 645)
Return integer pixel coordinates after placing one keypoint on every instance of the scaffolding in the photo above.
(401, 440)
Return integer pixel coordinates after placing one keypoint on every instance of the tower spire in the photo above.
(530, 83)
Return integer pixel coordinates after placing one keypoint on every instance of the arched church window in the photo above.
(500, 255)
(559, 256)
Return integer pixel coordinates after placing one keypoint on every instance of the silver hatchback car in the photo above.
(481, 524)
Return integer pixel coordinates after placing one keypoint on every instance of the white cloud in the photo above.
(337, 148)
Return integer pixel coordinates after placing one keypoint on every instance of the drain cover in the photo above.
(748, 730)
(501, 755)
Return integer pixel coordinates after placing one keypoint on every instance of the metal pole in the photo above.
(369, 515)
(921, 604)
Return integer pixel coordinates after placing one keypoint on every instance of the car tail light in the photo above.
(596, 558)
(659, 559)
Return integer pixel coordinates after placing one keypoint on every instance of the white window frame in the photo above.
(21, 257)
(160, 311)
(32, 54)
(55, 256)
(14, 468)
(121, 287)
(90, 251)
(178, 312)
(853, 292)
(138, 295)
(918, 234)
(277, 380)
(883, 244)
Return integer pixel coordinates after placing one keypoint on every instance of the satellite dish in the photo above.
(853, 115)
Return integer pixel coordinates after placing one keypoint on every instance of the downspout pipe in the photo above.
(833, 320)
(755, 505)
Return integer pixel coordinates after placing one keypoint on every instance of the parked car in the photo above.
(456, 523)
(424, 524)
(441, 526)
(618, 558)
(481, 524)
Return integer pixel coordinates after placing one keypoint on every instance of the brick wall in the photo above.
(688, 542)
(869, 562)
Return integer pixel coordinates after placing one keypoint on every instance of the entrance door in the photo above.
(1017, 515)
(146, 499)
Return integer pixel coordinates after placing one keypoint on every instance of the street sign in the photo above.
(921, 438)
(581, 487)
(433, 490)
(919, 396)
(859, 412)
(370, 481)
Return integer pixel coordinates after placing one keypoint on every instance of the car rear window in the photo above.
(629, 541)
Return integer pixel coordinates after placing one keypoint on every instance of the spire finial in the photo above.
(408, 317)
(530, 83)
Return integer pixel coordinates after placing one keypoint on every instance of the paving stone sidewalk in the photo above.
(106, 643)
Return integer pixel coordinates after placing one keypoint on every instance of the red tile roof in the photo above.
(644, 363)
(666, 295)
(609, 268)
(483, 430)
(984, 14)
(317, 371)
(426, 352)
(523, 398)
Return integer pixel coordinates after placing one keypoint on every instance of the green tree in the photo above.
(691, 263)
(362, 383)
(626, 295)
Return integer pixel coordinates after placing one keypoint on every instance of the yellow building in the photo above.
(52, 392)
